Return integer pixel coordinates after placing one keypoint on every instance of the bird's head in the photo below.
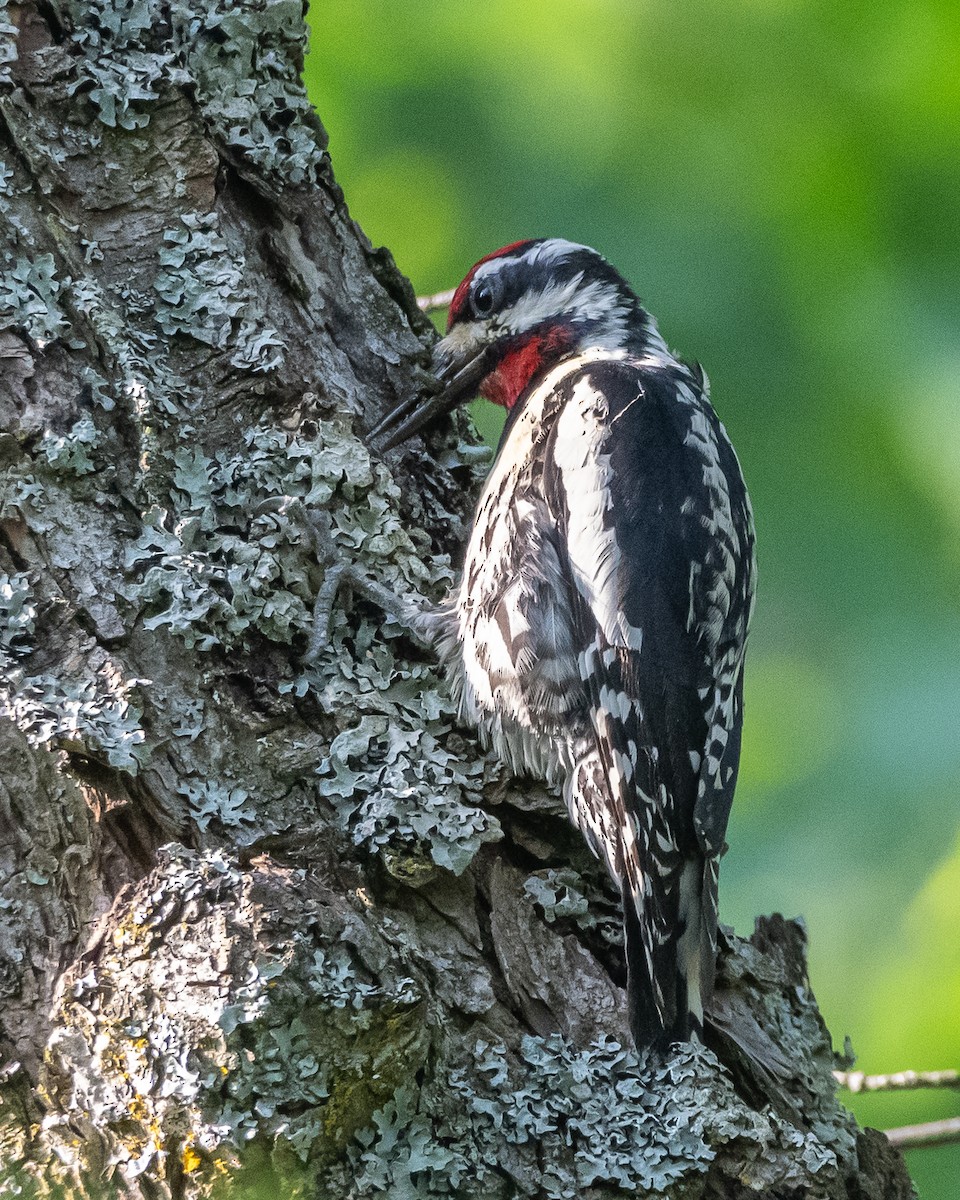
(517, 312)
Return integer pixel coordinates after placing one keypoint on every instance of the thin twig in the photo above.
(436, 301)
(856, 1081)
(933, 1133)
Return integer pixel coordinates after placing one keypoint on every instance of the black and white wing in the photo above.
(658, 536)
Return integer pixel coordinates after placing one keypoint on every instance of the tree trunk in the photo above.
(265, 922)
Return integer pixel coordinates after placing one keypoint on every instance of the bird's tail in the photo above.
(670, 947)
(669, 905)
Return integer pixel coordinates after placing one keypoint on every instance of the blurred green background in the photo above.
(780, 179)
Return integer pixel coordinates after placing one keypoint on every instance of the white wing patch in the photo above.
(581, 432)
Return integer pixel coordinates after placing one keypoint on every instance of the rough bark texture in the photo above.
(263, 922)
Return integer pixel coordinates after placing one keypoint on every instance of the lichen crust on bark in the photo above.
(265, 922)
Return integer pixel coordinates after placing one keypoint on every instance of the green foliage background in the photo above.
(780, 180)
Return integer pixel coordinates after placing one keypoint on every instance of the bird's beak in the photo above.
(460, 366)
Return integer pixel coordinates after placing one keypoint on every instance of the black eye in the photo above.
(484, 298)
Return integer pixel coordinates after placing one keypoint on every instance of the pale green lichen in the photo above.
(582, 897)
(212, 587)
(268, 118)
(401, 1155)
(18, 617)
(8, 43)
(292, 1047)
(229, 562)
(30, 294)
(209, 799)
(559, 894)
(135, 50)
(587, 1099)
(140, 364)
(562, 1122)
(126, 76)
(20, 492)
(189, 718)
(90, 716)
(69, 452)
(202, 295)
(407, 793)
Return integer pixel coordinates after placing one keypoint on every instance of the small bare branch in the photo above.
(436, 301)
(933, 1133)
(857, 1081)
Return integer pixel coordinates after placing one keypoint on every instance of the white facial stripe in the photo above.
(592, 302)
(554, 248)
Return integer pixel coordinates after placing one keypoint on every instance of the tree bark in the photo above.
(265, 922)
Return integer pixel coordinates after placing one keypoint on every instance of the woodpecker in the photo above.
(596, 638)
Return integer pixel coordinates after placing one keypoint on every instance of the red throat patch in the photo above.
(522, 361)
